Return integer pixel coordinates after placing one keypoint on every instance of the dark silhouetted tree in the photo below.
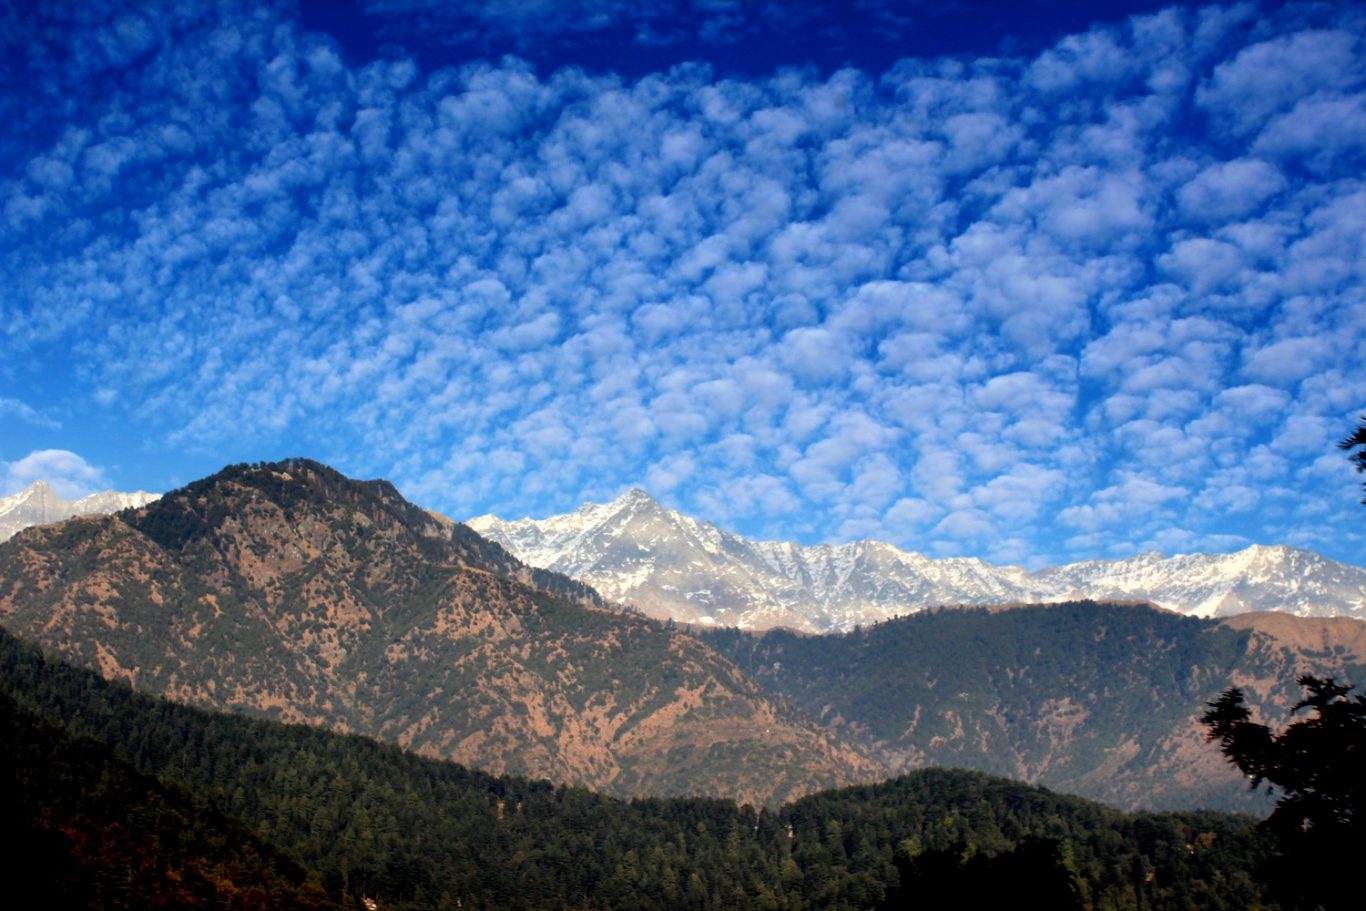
(1319, 765)
(957, 877)
(1357, 441)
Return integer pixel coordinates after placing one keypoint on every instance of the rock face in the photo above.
(290, 591)
(669, 565)
(39, 504)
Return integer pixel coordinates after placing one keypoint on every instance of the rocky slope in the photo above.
(39, 504)
(290, 591)
(669, 565)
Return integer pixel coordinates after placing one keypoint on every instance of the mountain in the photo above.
(1101, 700)
(39, 504)
(290, 591)
(668, 565)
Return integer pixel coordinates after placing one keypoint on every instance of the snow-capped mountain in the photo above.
(637, 552)
(39, 504)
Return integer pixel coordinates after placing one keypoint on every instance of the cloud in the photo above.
(1288, 360)
(1273, 75)
(1229, 190)
(1133, 500)
(961, 303)
(1318, 131)
(27, 414)
(70, 475)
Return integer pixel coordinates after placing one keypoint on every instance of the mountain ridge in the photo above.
(634, 550)
(1098, 699)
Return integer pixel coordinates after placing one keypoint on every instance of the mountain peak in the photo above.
(39, 488)
(635, 496)
(283, 584)
(41, 504)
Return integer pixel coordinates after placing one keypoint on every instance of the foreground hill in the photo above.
(380, 823)
(84, 829)
(669, 565)
(291, 591)
(1101, 700)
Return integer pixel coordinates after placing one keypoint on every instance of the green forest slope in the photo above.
(375, 821)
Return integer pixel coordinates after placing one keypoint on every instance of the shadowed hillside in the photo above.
(415, 833)
(1102, 700)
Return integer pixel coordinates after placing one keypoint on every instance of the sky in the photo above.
(981, 279)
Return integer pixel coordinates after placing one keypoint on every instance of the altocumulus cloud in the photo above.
(1105, 298)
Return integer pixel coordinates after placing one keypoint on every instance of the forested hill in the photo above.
(291, 591)
(376, 822)
(1101, 700)
(84, 829)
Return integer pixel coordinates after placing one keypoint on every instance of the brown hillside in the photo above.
(290, 591)
(1344, 637)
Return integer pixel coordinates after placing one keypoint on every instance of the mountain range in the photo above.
(289, 591)
(669, 565)
(39, 504)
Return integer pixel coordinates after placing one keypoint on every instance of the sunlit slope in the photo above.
(290, 591)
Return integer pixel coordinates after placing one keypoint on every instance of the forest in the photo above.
(153, 804)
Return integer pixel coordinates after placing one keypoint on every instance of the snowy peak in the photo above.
(36, 496)
(39, 504)
(1257, 578)
(571, 539)
(670, 565)
(635, 498)
(113, 501)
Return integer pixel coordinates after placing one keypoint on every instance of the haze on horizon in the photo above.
(1018, 285)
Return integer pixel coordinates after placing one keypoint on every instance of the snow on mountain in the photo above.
(637, 552)
(39, 504)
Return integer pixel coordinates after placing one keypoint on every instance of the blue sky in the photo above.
(983, 279)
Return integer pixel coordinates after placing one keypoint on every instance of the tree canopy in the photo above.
(1319, 764)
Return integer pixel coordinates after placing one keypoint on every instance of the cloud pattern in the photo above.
(1103, 299)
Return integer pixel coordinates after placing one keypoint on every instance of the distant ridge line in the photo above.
(670, 565)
